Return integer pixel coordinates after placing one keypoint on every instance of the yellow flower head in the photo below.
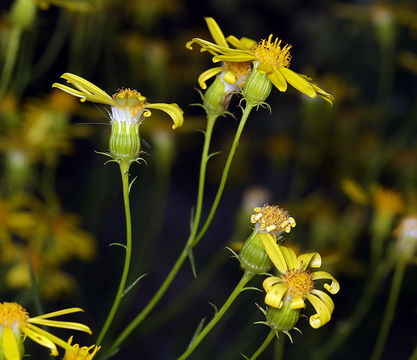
(128, 107)
(233, 74)
(296, 283)
(272, 219)
(16, 323)
(268, 56)
(80, 353)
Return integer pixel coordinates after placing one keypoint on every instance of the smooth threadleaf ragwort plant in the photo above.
(249, 69)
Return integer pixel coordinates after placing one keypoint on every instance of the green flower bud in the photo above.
(124, 141)
(216, 99)
(253, 257)
(23, 13)
(283, 319)
(257, 87)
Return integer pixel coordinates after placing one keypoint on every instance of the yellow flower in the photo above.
(128, 107)
(268, 57)
(15, 323)
(80, 353)
(295, 284)
(233, 74)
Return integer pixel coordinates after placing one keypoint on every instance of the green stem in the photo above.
(225, 174)
(264, 345)
(13, 46)
(279, 349)
(362, 308)
(211, 119)
(192, 240)
(183, 256)
(390, 309)
(243, 281)
(124, 169)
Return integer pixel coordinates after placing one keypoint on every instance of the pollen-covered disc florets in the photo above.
(12, 315)
(299, 282)
(236, 73)
(272, 219)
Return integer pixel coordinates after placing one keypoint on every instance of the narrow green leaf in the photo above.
(216, 310)
(197, 331)
(126, 290)
(192, 263)
(213, 154)
(118, 244)
(131, 183)
(250, 288)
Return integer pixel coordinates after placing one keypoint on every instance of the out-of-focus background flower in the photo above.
(346, 173)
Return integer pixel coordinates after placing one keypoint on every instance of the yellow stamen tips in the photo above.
(299, 282)
(131, 99)
(271, 219)
(272, 54)
(12, 315)
(80, 353)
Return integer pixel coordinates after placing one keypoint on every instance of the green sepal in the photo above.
(257, 88)
(253, 257)
(283, 319)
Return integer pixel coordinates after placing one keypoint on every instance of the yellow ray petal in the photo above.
(42, 335)
(270, 281)
(239, 44)
(324, 95)
(275, 294)
(63, 324)
(9, 344)
(173, 110)
(297, 81)
(289, 257)
(40, 339)
(234, 57)
(84, 85)
(278, 80)
(334, 287)
(57, 313)
(247, 43)
(323, 314)
(273, 251)
(311, 259)
(216, 32)
(297, 303)
(208, 74)
(327, 300)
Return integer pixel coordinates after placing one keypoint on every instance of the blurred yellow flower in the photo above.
(295, 283)
(80, 353)
(268, 56)
(15, 325)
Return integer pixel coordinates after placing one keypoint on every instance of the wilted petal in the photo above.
(208, 74)
(173, 110)
(334, 286)
(275, 294)
(311, 259)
